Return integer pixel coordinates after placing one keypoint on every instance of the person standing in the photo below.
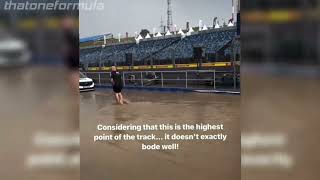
(117, 84)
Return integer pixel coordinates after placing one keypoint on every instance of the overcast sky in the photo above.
(121, 16)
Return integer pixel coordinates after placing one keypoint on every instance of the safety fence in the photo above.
(189, 79)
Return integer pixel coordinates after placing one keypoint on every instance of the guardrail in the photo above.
(190, 79)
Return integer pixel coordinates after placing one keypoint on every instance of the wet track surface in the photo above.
(285, 106)
(35, 100)
(126, 160)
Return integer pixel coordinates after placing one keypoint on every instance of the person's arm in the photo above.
(112, 79)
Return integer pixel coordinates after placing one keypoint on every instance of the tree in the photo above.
(144, 32)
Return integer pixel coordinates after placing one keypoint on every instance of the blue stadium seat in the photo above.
(160, 49)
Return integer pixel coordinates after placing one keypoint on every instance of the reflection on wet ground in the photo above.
(126, 160)
(280, 118)
(36, 100)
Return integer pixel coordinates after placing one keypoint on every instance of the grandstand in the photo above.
(216, 45)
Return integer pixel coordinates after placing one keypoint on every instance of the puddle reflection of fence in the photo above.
(198, 79)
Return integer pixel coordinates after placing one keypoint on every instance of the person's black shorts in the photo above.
(117, 89)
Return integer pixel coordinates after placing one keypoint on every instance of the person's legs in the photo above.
(117, 97)
(75, 98)
(120, 98)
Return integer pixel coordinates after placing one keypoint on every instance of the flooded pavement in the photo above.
(125, 160)
(39, 123)
(35, 102)
(280, 124)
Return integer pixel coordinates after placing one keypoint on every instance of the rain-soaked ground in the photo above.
(36, 107)
(39, 120)
(126, 160)
(280, 123)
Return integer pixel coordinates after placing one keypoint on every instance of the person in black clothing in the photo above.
(70, 50)
(117, 84)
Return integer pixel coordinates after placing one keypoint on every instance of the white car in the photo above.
(85, 83)
(13, 51)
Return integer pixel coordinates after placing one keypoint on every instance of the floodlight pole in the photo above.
(233, 44)
(169, 14)
(102, 46)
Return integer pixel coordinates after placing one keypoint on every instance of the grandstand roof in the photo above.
(181, 32)
(204, 28)
(230, 24)
(94, 38)
(148, 36)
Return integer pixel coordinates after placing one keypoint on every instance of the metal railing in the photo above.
(195, 79)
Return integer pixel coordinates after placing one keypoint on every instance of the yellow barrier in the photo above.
(52, 23)
(218, 64)
(163, 67)
(28, 24)
(155, 67)
(93, 68)
(186, 65)
(275, 16)
(106, 68)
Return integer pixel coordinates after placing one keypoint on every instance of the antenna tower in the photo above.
(169, 14)
(162, 26)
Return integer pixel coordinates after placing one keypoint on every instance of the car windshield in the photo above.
(82, 75)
